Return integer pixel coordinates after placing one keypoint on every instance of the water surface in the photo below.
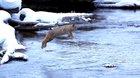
(114, 40)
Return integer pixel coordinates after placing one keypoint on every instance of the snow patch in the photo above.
(47, 17)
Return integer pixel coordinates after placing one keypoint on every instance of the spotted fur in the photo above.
(57, 31)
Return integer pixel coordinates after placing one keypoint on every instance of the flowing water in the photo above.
(109, 50)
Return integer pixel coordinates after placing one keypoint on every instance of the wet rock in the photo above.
(108, 65)
(89, 28)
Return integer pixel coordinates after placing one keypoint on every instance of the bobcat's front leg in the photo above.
(70, 35)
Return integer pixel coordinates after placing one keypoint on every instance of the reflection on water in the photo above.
(114, 40)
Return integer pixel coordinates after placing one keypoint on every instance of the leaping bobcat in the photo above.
(57, 31)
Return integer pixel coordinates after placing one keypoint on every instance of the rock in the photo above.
(108, 65)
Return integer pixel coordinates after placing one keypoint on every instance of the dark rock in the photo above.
(14, 10)
(109, 65)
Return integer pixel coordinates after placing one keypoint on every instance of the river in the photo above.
(114, 40)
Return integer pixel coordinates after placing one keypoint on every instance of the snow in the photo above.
(47, 17)
(121, 2)
(4, 16)
(53, 18)
(30, 15)
(128, 3)
(118, 1)
(106, 0)
(8, 40)
(10, 4)
(7, 32)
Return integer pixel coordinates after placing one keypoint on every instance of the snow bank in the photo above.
(47, 17)
(10, 4)
(8, 40)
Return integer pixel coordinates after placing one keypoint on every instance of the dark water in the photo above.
(60, 5)
(113, 41)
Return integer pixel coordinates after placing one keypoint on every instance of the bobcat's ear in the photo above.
(73, 25)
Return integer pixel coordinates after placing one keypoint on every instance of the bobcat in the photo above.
(57, 31)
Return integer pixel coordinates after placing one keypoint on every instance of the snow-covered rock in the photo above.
(8, 40)
(119, 3)
(47, 17)
(4, 16)
(29, 13)
(10, 4)
(128, 3)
